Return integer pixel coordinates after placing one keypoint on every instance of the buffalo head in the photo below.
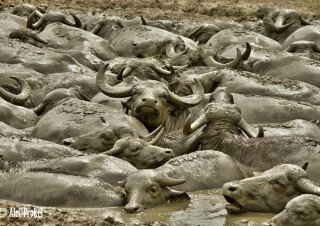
(149, 188)
(19, 99)
(151, 101)
(269, 192)
(141, 153)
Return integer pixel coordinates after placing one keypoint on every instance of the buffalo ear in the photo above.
(175, 196)
(305, 166)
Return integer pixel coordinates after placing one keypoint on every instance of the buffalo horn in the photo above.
(77, 22)
(191, 100)
(20, 98)
(307, 186)
(155, 140)
(165, 180)
(36, 25)
(209, 61)
(189, 128)
(112, 91)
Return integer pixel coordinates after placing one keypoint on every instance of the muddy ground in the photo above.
(212, 213)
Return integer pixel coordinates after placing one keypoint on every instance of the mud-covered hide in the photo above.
(25, 9)
(226, 41)
(268, 192)
(104, 167)
(306, 33)
(17, 116)
(201, 32)
(222, 133)
(58, 190)
(10, 22)
(244, 82)
(191, 172)
(86, 44)
(141, 153)
(73, 117)
(263, 109)
(18, 146)
(303, 210)
(180, 143)
(139, 40)
(281, 23)
(41, 85)
(44, 61)
(256, 109)
(295, 128)
(284, 65)
(204, 169)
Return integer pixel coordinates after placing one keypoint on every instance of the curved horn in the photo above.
(19, 99)
(307, 186)
(108, 90)
(41, 10)
(143, 21)
(209, 61)
(126, 72)
(189, 128)
(316, 49)
(31, 17)
(304, 21)
(122, 183)
(113, 151)
(171, 51)
(193, 34)
(153, 133)
(157, 138)
(191, 100)
(96, 28)
(247, 52)
(165, 180)
(39, 109)
(77, 22)
(245, 127)
(162, 71)
(39, 39)
(279, 24)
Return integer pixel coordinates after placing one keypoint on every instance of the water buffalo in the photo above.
(279, 24)
(309, 33)
(142, 40)
(25, 9)
(82, 43)
(104, 167)
(58, 190)
(222, 120)
(244, 82)
(147, 188)
(152, 102)
(73, 117)
(43, 60)
(303, 210)
(50, 17)
(18, 146)
(17, 116)
(268, 192)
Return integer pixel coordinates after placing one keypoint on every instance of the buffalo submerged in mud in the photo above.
(144, 115)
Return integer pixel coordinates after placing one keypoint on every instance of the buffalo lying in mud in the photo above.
(268, 192)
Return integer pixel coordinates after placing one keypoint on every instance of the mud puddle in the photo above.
(205, 208)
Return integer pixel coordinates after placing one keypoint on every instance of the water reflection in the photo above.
(205, 208)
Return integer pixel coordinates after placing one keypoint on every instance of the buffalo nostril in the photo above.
(169, 152)
(132, 209)
(232, 188)
(143, 99)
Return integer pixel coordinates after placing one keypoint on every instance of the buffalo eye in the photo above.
(279, 182)
(153, 190)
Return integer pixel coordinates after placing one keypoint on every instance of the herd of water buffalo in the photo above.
(101, 111)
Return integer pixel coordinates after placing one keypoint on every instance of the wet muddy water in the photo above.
(205, 208)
